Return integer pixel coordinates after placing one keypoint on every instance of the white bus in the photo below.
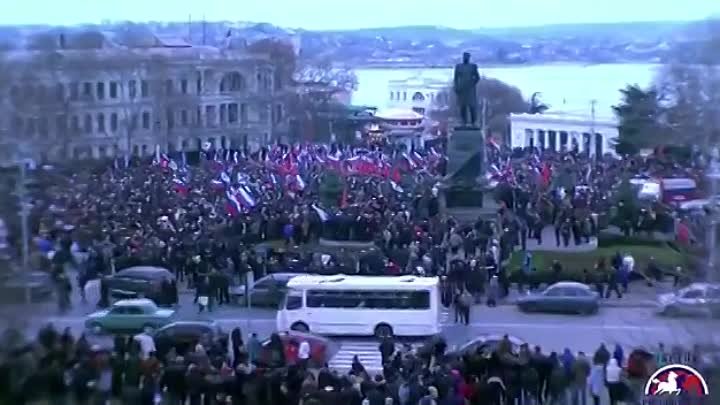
(362, 305)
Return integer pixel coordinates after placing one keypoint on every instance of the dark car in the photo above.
(269, 291)
(562, 297)
(138, 282)
(322, 349)
(485, 345)
(184, 335)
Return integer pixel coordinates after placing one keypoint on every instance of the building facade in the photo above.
(558, 131)
(94, 103)
(417, 93)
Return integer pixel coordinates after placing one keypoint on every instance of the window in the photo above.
(61, 124)
(232, 113)
(223, 114)
(293, 301)
(101, 122)
(100, 90)
(692, 294)
(132, 89)
(170, 118)
(87, 90)
(87, 124)
(184, 118)
(135, 310)
(210, 115)
(113, 90)
(59, 92)
(713, 293)
(264, 115)
(399, 300)
(556, 292)
(404, 95)
(198, 86)
(184, 86)
(392, 94)
(278, 113)
(118, 311)
(146, 120)
(144, 90)
(113, 122)
(169, 87)
(75, 123)
(243, 112)
(43, 126)
(74, 91)
(102, 151)
(134, 121)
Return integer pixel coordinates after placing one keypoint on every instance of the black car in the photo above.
(139, 282)
(485, 345)
(184, 335)
(269, 291)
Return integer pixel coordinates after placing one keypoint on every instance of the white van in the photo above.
(362, 305)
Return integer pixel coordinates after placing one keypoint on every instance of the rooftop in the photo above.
(341, 281)
(420, 81)
(398, 114)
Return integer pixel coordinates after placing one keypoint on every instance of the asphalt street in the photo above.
(630, 327)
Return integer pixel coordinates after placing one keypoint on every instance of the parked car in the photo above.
(322, 349)
(697, 299)
(184, 335)
(131, 316)
(269, 291)
(138, 282)
(562, 297)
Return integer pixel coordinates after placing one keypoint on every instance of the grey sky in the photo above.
(344, 14)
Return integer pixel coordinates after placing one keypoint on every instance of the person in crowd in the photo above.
(613, 377)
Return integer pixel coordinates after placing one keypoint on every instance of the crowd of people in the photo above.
(206, 222)
(57, 367)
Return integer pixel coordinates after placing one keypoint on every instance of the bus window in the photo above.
(369, 299)
(293, 301)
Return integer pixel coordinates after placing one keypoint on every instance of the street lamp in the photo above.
(713, 176)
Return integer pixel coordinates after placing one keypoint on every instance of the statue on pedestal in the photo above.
(465, 79)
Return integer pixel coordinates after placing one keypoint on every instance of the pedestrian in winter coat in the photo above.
(596, 382)
(618, 354)
(493, 291)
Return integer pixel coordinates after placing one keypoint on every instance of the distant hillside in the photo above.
(645, 31)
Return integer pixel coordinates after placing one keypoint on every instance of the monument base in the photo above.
(460, 196)
(464, 145)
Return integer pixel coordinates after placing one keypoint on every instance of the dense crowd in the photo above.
(57, 367)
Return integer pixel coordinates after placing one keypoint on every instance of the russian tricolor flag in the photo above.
(245, 198)
(233, 206)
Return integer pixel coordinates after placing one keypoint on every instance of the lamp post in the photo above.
(713, 176)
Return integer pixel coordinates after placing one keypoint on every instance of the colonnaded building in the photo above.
(111, 99)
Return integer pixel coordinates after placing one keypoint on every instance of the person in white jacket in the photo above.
(596, 382)
(304, 353)
(613, 377)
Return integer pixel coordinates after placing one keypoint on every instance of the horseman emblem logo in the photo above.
(677, 380)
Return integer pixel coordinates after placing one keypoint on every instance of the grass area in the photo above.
(573, 263)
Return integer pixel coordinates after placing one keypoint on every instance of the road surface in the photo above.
(629, 327)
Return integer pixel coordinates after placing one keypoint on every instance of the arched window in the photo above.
(418, 96)
(232, 82)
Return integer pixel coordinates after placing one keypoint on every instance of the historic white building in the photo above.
(561, 131)
(117, 100)
(417, 93)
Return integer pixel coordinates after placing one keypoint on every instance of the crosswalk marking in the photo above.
(367, 351)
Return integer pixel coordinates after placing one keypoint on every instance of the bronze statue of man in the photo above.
(465, 79)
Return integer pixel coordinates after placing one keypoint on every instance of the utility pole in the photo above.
(711, 235)
(593, 141)
(190, 28)
(24, 213)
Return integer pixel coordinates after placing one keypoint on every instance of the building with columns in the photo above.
(114, 100)
(417, 93)
(560, 131)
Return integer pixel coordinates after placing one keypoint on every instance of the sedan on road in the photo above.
(697, 299)
(563, 297)
(184, 335)
(129, 316)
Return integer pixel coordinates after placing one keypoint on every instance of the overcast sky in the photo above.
(345, 14)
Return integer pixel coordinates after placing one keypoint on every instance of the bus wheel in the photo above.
(383, 330)
(299, 327)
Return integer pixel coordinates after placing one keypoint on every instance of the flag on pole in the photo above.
(324, 217)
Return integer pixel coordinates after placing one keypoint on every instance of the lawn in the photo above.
(573, 263)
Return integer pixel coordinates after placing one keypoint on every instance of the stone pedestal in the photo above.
(465, 145)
